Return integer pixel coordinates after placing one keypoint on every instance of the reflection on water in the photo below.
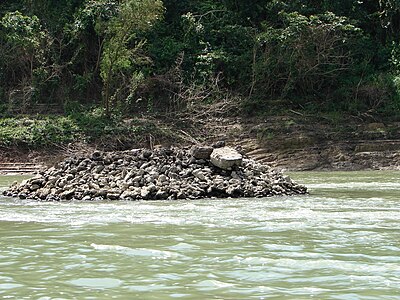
(340, 242)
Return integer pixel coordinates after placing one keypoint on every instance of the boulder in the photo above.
(201, 152)
(225, 158)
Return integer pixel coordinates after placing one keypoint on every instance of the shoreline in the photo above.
(290, 143)
(369, 155)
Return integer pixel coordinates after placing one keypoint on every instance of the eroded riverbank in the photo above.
(292, 142)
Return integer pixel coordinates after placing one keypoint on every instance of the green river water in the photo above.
(340, 242)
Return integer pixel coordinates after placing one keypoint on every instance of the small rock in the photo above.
(144, 192)
(235, 175)
(181, 195)
(39, 180)
(113, 196)
(67, 195)
(161, 194)
(98, 169)
(34, 187)
(147, 154)
(162, 178)
(219, 144)
(96, 155)
(199, 174)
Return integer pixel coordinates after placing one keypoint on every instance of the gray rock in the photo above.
(113, 195)
(152, 188)
(34, 187)
(96, 155)
(147, 154)
(201, 152)
(144, 192)
(199, 174)
(101, 193)
(162, 178)
(181, 195)
(161, 194)
(225, 158)
(219, 144)
(67, 195)
(93, 185)
(128, 195)
(235, 175)
(39, 180)
(173, 175)
(44, 192)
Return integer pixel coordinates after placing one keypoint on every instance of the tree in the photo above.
(390, 17)
(305, 58)
(23, 43)
(121, 51)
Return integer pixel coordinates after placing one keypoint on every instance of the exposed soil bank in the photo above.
(294, 143)
(299, 144)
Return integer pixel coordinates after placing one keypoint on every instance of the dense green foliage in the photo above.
(86, 126)
(131, 55)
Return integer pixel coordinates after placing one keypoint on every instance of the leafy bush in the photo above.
(304, 59)
(37, 132)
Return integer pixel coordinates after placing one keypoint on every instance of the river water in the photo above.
(340, 242)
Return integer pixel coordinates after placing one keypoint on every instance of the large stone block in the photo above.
(225, 158)
(201, 152)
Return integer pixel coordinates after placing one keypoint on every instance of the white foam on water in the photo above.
(97, 283)
(144, 252)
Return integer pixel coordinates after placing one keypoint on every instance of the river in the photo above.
(340, 242)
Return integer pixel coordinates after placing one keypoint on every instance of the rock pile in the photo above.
(200, 172)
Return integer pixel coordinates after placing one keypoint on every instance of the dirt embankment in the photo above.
(298, 144)
(294, 143)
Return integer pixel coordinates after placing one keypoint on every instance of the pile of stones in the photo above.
(165, 173)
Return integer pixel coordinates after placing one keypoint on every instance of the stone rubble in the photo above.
(143, 174)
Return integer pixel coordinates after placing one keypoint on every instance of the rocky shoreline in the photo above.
(165, 173)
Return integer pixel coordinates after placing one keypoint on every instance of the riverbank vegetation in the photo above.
(86, 127)
(92, 64)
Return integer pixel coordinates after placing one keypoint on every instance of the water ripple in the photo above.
(340, 242)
